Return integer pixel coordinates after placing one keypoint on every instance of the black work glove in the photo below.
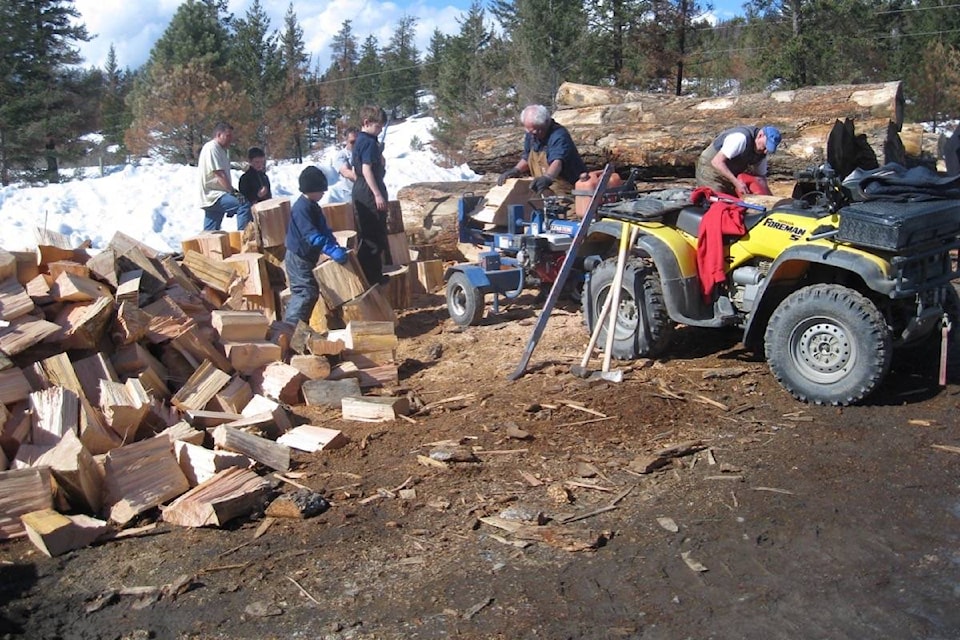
(506, 175)
(541, 184)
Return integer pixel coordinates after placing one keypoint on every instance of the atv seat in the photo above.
(689, 219)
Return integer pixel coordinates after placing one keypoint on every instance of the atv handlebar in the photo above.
(818, 175)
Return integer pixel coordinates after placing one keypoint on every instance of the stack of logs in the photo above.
(410, 271)
(131, 380)
(663, 134)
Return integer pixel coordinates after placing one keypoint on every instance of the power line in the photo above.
(726, 24)
(833, 40)
(381, 72)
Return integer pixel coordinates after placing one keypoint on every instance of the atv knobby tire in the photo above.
(640, 282)
(828, 344)
(465, 302)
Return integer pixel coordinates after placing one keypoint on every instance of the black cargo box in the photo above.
(894, 226)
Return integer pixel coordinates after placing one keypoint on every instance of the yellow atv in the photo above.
(829, 287)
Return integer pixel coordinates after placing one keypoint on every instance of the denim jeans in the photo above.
(229, 205)
(304, 290)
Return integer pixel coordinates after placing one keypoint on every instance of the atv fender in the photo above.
(681, 288)
(793, 263)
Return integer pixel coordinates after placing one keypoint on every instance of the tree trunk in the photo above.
(664, 135)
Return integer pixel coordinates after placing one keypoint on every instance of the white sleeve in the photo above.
(733, 145)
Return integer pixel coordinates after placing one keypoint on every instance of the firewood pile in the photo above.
(132, 380)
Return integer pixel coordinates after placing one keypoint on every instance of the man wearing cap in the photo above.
(736, 162)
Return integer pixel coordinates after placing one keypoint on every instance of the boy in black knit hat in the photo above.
(308, 237)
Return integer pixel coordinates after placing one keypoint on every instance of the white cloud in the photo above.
(133, 28)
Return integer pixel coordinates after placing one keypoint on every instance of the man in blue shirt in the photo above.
(548, 153)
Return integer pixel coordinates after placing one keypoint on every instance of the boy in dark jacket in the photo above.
(308, 237)
(254, 183)
(370, 194)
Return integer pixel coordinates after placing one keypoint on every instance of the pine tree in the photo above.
(401, 70)
(467, 68)
(35, 88)
(658, 44)
(937, 83)
(179, 106)
(611, 24)
(432, 59)
(336, 84)
(256, 64)
(369, 73)
(547, 41)
(804, 42)
(911, 33)
(196, 33)
(114, 115)
(287, 118)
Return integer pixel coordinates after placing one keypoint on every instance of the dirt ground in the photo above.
(793, 521)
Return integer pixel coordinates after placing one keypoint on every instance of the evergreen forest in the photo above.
(210, 65)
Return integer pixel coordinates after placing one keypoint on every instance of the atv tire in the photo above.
(640, 282)
(464, 301)
(828, 344)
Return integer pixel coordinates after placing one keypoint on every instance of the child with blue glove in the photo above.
(308, 237)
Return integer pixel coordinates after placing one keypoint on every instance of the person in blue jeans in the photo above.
(308, 237)
(218, 197)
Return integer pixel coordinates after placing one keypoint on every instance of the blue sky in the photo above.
(133, 27)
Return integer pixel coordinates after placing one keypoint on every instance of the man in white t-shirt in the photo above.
(735, 163)
(344, 160)
(218, 197)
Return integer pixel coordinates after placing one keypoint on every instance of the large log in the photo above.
(665, 134)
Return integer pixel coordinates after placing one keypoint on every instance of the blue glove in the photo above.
(541, 184)
(338, 255)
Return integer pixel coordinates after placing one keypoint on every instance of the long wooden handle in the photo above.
(615, 295)
(595, 335)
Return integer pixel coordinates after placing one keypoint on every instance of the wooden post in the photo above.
(399, 248)
(397, 289)
(428, 276)
(272, 217)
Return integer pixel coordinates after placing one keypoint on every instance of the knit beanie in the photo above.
(312, 180)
